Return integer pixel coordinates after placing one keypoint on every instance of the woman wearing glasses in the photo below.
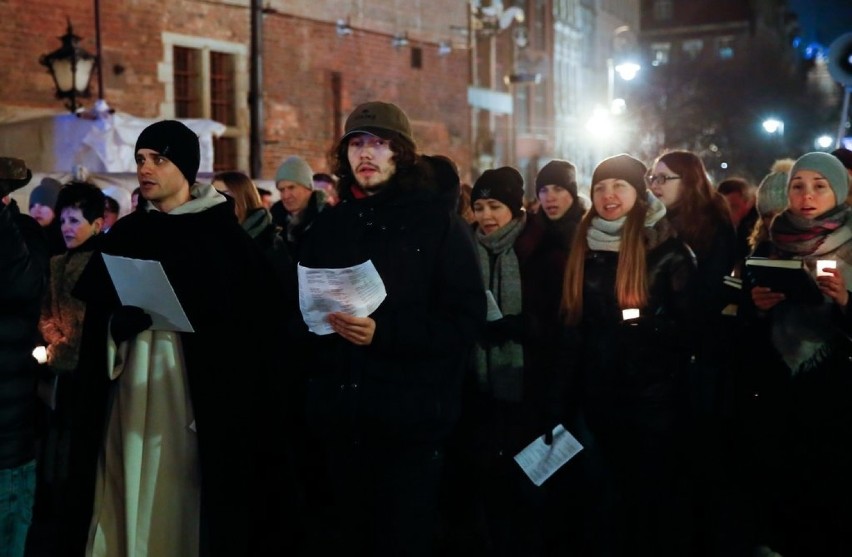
(700, 215)
(626, 259)
(702, 219)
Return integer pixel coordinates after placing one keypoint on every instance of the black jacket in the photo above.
(406, 385)
(217, 273)
(24, 262)
(631, 370)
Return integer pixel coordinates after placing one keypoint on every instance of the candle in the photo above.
(630, 313)
(40, 354)
(823, 264)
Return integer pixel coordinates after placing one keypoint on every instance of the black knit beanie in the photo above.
(176, 142)
(622, 167)
(505, 184)
(558, 173)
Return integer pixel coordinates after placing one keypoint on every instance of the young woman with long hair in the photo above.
(628, 300)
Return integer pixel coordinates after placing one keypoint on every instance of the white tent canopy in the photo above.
(63, 142)
(98, 147)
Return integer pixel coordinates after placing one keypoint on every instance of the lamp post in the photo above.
(71, 67)
(621, 62)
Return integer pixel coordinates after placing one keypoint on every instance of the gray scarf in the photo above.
(500, 368)
(257, 221)
(605, 235)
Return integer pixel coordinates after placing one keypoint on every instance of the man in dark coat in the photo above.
(300, 203)
(200, 401)
(23, 276)
(383, 391)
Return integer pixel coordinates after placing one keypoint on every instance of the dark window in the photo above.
(222, 102)
(416, 57)
(224, 153)
(187, 72)
(663, 10)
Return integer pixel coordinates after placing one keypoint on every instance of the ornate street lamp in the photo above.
(71, 67)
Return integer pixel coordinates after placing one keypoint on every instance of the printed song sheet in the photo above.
(143, 283)
(357, 291)
(539, 461)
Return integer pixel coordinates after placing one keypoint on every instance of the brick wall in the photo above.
(298, 95)
(301, 54)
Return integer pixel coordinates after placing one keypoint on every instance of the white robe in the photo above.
(147, 494)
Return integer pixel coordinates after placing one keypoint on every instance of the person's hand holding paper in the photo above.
(339, 300)
(143, 283)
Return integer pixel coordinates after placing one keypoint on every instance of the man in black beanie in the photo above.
(160, 183)
(185, 413)
(561, 211)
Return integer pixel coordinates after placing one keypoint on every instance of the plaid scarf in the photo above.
(799, 236)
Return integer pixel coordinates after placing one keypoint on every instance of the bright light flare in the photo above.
(627, 70)
(773, 125)
(601, 125)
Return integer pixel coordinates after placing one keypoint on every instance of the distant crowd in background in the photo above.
(693, 337)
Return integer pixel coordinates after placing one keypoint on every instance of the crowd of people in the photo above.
(712, 407)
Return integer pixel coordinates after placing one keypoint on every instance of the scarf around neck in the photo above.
(499, 368)
(257, 221)
(801, 236)
(604, 235)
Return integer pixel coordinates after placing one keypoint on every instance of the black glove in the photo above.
(509, 327)
(127, 322)
(548, 436)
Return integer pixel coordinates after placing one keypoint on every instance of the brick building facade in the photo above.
(193, 58)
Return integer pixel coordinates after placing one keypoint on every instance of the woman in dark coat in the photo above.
(801, 417)
(511, 397)
(625, 257)
(702, 218)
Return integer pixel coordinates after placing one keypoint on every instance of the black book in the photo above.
(789, 276)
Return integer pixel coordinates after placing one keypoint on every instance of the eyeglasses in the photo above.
(659, 179)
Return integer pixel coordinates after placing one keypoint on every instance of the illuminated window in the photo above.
(693, 47)
(660, 53)
(725, 47)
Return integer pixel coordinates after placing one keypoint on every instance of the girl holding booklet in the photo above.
(800, 430)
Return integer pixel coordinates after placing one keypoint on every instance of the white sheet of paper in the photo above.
(143, 283)
(539, 461)
(494, 312)
(357, 291)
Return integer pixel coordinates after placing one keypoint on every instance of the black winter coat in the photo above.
(216, 271)
(405, 387)
(24, 259)
(631, 370)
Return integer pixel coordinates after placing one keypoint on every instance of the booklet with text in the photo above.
(789, 276)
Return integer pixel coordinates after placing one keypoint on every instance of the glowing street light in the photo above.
(824, 142)
(627, 70)
(773, 126)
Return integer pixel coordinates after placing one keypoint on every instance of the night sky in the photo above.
(822, 21)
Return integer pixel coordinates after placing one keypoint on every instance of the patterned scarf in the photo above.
(799, 236)
(804, 334)
(499, 368)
